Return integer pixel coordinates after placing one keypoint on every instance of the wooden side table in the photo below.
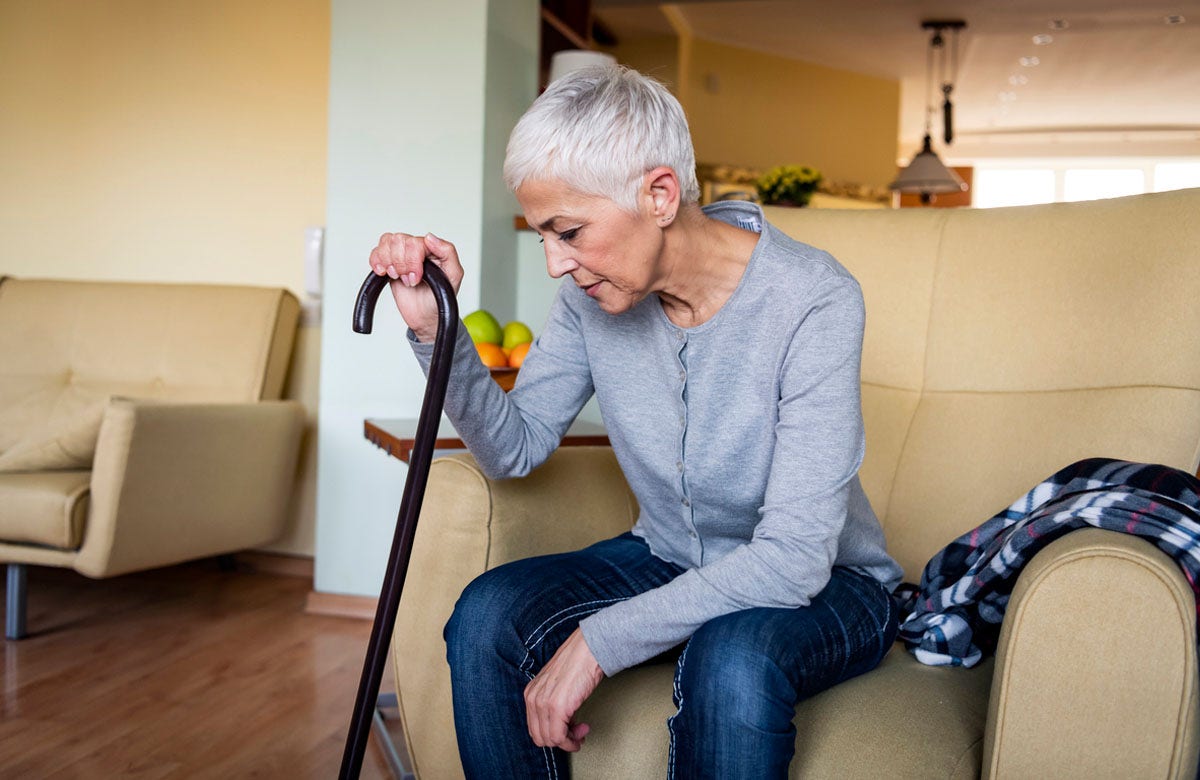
(398, 435)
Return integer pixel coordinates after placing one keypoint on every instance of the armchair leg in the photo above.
(14, 614)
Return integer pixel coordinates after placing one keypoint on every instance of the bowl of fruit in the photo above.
(501, 349)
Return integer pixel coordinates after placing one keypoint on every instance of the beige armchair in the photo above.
(1001, 345)
(140, 425)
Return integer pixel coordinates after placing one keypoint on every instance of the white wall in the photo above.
(415, 107)
(151, 141)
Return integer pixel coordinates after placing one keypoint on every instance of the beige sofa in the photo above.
(140, 425)
(1001, 345)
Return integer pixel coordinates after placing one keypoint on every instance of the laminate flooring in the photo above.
(184, 672)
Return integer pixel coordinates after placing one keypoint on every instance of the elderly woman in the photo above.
(725, 360)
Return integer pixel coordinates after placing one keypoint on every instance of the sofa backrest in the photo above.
(1004, 344)
(66, 343)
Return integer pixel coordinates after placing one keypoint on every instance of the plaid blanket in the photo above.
(954, 616)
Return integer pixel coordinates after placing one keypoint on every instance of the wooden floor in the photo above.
(181, 672)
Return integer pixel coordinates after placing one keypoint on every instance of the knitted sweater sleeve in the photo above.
(511, 434)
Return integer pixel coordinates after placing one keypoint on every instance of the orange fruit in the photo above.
(491, 355)
(517, 356)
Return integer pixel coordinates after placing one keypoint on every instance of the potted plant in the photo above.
(788, 185)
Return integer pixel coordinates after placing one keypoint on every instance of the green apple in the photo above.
(515, 334)
(483, 327)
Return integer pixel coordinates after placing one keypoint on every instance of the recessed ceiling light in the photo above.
(1043, 39)
(1174, 19)
(1018, 79)
(1029, 62)
(1008, 97)
(1059, 24)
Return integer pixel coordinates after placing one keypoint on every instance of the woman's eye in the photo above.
(567, 235)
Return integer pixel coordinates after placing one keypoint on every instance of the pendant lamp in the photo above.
(927, 175)
(570, 60)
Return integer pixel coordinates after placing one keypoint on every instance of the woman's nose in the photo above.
(558, 261)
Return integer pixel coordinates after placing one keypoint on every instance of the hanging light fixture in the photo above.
(926, 175)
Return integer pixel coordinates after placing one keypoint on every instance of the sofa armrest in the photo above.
(1096, 665)
(468, 525)
(174, 482)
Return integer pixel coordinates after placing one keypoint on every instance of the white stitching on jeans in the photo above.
(551, 766)
(678, 695)
(588, 610)
(556, 614)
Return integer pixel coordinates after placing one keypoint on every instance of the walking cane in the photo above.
(410, 503)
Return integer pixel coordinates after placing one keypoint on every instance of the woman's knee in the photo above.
(727, 667)
(484, 614)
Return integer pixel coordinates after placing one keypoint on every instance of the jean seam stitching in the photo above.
(529, 648)
(678, 710)
(551, 765)
(547, 753)
(550, 628)
(880, 628)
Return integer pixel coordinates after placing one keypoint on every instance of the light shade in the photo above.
(927, 175)
(568, 60)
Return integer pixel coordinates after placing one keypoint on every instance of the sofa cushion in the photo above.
(62, 437)
(849, 731)
(46, 508)
(176, 342)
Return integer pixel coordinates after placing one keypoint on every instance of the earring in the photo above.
(666, 220)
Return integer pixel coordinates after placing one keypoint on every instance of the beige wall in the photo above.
(655, 55)
(174, 140)
(758, 110)
(168, 140)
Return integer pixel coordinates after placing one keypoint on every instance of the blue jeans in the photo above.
(737, 680)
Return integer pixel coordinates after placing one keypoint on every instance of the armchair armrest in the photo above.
(1095, 670)
(173, 482)
(470, 524)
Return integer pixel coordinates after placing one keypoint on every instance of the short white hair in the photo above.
(599, 130)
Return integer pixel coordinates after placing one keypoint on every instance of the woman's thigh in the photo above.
(740, 676)
(530, 606)
(787, 655)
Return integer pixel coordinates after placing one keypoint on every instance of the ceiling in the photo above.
(1118, 80)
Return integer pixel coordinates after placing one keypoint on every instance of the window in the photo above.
(1095, 183)
(1176, 176)
(1040, 180)
(1015, 187)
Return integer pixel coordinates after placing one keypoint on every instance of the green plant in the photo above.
(788, 184)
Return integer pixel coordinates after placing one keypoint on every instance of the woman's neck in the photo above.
(703, 260)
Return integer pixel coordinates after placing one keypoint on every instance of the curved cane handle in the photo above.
(372, 286)
(364, 305)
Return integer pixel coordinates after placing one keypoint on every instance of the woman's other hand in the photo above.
(556, 694)
(402, 257)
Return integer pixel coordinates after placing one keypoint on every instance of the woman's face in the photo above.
(609, 252)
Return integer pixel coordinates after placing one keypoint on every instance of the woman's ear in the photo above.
(663, 194)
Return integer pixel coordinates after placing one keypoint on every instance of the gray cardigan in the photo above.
(741, 437)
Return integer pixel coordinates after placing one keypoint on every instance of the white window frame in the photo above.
(1060, 166)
